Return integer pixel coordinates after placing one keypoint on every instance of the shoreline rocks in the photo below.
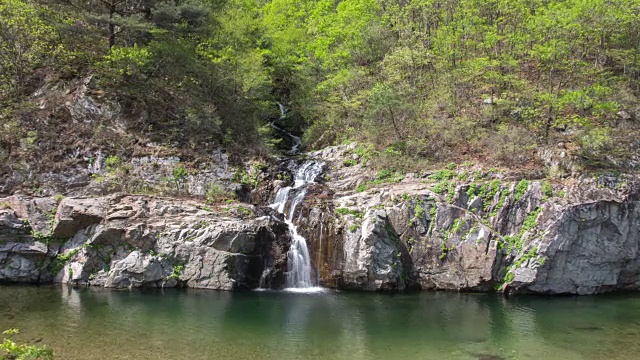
(138, 241)
(456, 229)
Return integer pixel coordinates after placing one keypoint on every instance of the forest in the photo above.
(416, 82)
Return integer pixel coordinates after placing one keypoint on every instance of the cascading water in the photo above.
(299, 276)
(299, 271)
(295, 140)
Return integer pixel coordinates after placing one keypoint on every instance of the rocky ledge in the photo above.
(138, 241)
(459, 228)
(469, 230)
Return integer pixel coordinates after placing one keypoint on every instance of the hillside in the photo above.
(543, 88)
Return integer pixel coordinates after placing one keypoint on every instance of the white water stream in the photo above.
(300, 275)
(295, 140)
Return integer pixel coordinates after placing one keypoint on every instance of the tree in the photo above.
(27, 41)
(124, 21)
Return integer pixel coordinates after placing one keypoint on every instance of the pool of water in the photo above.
(89, 323)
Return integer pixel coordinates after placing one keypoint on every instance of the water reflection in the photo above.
(96, 324)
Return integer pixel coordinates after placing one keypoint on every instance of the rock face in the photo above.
(372, 256)
(134, 241)
(454, 230)
(82, 168)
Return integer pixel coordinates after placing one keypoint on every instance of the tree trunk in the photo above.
(112, 27)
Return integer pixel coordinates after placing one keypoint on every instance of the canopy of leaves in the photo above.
(433, 79)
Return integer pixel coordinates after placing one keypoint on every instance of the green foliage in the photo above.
(521, 188)
(361, 188)
(179, 173)
(127, 61)
(61, 260)
(346, 211)
(444, 249)
(457, 224)
(364, 152)
(240, 211)
(410, 81)
(503, 197)
(419, 211)
(28, 40)
(487, 192)
(113, 163)
(530, 254)
(10, 350)
(529, 223)
(509, 276)
(547, 190)
(176, 272)
(349, 162)
(179, 177)
(216, 193)
(387, 176)
(446, 174)
(440, 187)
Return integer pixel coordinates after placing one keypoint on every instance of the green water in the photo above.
(101, 324)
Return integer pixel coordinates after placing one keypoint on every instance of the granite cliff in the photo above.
(454, 229)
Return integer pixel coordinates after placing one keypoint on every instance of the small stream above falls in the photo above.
(300, 275)
(295, 141)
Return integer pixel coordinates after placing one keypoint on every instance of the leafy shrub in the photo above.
(216, 193)
(9, 349)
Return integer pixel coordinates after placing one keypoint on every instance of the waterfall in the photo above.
(319, 261)
(299, 276)
(295, 140)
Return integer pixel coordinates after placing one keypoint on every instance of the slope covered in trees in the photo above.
(419, 81)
